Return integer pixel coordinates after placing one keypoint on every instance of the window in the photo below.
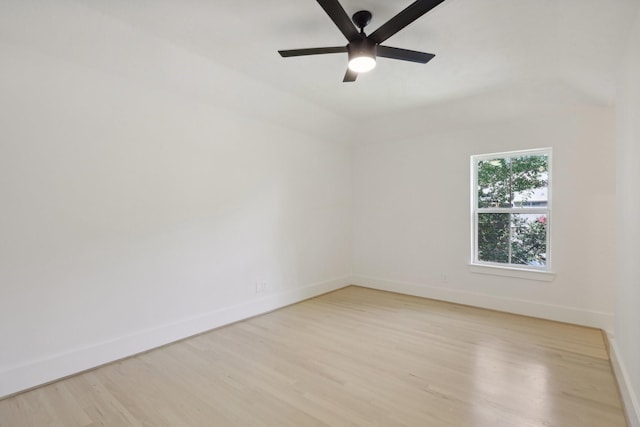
(511, 209)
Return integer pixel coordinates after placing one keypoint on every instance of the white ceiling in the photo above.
(493, 57)
(481, 46)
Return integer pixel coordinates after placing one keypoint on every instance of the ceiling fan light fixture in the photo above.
(362, 64)
(362, 56)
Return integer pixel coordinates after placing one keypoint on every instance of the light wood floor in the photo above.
(354, 357)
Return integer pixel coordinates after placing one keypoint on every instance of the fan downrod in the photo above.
(361, 18)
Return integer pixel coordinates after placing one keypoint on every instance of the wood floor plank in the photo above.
(354, 357)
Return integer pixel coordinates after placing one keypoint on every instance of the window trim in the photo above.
(503, 268)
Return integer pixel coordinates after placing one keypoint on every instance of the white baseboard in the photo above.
(595, 319)
(629, 396)
(37, 372)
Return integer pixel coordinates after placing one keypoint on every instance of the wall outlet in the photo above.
(261, 286)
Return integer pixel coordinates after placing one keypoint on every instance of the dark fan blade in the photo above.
(350, 76)
(404, 54)
(312, 51)
(402, 19)
(340, 18)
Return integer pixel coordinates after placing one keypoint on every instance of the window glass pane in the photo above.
(529, 239)
(493, 183)
(529, 181)
(493, 237)
(507, 183)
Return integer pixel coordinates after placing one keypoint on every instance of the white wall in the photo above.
(627, 332)
(412, 215)
(144, 190)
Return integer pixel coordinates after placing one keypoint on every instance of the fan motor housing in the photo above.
(362, 47)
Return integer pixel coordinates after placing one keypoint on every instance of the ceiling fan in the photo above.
(363, 49)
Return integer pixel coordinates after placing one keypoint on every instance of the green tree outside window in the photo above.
(512, 209)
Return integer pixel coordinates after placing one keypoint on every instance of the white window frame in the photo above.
(475, 211)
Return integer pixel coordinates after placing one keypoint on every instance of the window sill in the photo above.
(520, 273)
